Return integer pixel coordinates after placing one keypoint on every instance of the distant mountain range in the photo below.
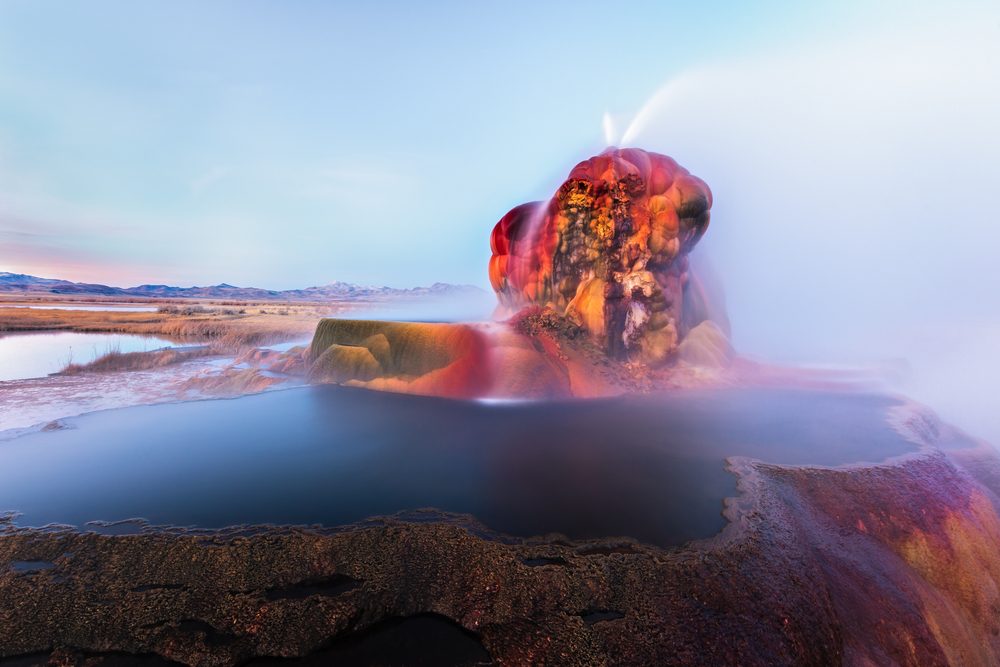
(19, 283)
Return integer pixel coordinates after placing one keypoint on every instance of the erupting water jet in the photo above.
(595, 283)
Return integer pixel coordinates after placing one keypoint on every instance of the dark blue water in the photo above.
(650, 467)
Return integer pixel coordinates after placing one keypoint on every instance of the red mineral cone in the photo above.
(608, 251)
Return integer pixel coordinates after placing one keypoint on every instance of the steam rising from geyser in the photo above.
(857, 185)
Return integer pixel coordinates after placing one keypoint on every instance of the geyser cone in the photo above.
(609, 251)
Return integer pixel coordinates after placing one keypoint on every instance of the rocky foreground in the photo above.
(887, 564)
(895, 563)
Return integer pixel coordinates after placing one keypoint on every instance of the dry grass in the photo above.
(230, 382)
(137, 361)
(226, 328)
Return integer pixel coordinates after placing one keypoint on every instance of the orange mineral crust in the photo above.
(410, 357)
(609, 251)
(459, 360)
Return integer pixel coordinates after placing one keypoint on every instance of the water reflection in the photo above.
(31, 355)
(650, 468)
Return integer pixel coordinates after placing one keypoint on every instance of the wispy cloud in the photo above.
(210, 178)
(348, 181)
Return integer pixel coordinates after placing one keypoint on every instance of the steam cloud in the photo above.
(857, 184)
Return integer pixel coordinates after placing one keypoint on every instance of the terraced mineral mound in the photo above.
(412, 357)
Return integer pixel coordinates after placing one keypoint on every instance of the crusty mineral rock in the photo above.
(609, 251)
(440, 359)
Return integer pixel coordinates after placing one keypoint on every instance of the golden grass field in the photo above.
(228, 325)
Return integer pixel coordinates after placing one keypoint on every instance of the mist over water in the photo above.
(470, 306)
(855, 197)
(649, 467)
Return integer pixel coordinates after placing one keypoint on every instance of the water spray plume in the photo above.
(610, 133)
(653, 106)
(840, 197)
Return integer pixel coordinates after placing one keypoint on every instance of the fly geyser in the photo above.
(609, 252)
(595, 287)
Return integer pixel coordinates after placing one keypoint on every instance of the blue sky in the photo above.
(853, 149)
(289, 144)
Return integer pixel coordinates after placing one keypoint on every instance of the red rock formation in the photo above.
(599, 271)
(609, 251)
